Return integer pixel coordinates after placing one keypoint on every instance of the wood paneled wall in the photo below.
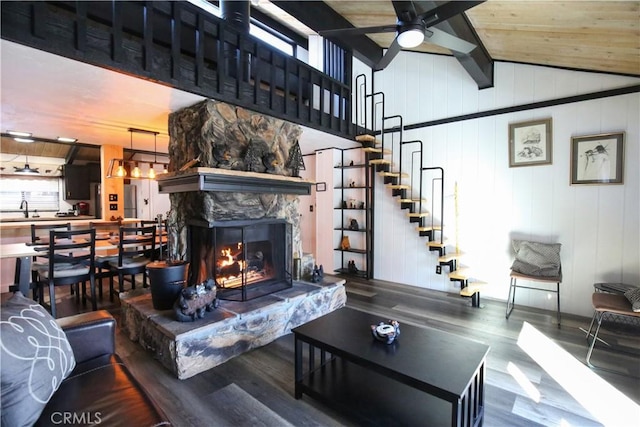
(598, 226)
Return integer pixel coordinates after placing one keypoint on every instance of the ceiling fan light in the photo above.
(411, 36)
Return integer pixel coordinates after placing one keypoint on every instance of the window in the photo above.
(41, 194)
(256, 29)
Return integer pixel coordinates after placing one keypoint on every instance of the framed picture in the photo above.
(321, 186)
(530, 143)
(597, 159)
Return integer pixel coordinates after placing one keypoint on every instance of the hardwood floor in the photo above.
(536, 374)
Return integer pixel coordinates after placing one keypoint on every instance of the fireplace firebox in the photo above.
(247, 259)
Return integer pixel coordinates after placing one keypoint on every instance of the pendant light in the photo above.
(120, 168)
(152, 172)
(26, 170)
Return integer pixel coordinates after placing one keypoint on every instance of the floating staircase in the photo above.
(382, 156)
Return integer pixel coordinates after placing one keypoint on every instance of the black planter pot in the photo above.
(166, 280)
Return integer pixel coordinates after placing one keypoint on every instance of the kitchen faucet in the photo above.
(24, 204)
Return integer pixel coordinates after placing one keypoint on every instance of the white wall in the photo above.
(308, 207)
(598, 226)
(150, 201)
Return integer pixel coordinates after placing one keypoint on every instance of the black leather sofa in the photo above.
(100, 390)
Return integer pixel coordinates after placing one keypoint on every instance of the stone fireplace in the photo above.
(246, 259)
(237, 223)
(233, 181)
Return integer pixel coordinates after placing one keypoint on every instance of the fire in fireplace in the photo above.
(246, 259)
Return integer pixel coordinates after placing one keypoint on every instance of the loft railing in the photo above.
(181, 45)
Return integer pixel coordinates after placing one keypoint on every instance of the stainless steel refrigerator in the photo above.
(130, 201)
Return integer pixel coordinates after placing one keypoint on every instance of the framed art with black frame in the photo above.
(597, 159)
(530, 143)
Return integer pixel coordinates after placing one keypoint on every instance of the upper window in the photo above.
(256, 29)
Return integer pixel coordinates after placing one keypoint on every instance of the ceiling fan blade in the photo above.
(405, 10)
(446, 11)
(444, 39)
(358, 31)
(389, 55)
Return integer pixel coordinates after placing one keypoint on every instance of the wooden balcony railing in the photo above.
(178, 44)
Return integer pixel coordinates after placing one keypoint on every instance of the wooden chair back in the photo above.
(136, 242)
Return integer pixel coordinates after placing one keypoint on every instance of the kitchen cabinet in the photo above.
(76, 182)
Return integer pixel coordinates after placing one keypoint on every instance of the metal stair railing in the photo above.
(441, 179)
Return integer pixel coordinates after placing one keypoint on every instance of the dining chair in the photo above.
(71, 257)
(105, 230)
(40, 235)
(161, 230)
(136, 249)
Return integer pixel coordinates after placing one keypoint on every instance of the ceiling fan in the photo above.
(413, 28)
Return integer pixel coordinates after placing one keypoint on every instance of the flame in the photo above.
(226, 253)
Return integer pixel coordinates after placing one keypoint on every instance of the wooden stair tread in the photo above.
(394, 174)
(429, 228)
(472, 288)
(376, 150)
(379, 162)
(365, 138)
(450, 257)
(398, 186)
(461, 274)
(436, 244)
(417, 214)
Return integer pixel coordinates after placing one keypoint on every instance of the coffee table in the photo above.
(425, 377)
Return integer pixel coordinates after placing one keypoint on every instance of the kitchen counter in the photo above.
(14, 228)
(22, 222)
(52, 219)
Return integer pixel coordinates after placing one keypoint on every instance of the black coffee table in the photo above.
(426, 377)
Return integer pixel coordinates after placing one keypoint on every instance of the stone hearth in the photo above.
(188, 348)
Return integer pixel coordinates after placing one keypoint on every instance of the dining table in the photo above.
(24, 253)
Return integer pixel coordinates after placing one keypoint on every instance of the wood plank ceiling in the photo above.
(599, 36)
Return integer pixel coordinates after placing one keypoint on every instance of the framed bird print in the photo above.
(597, 159)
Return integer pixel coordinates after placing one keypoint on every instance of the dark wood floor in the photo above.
(536, 374)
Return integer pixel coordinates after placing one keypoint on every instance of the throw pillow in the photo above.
(36, 357)
(633, 295)
(536, 259)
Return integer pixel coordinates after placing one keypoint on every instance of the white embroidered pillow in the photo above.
(36, 357)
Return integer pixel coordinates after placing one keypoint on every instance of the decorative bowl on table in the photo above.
(386, 332)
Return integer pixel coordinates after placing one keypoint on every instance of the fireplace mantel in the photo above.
(224, 180)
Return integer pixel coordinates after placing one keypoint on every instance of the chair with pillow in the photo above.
(539, 263)
(622, 308)
(71, 262)
(136, 249)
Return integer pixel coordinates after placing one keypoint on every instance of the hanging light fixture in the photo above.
(26, 170)
(121, 172)
(120, 168)
(152, 172)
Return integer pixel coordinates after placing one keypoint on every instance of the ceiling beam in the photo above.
(320, 17)
(478, 63)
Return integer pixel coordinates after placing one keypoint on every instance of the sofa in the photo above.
(66, 372)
